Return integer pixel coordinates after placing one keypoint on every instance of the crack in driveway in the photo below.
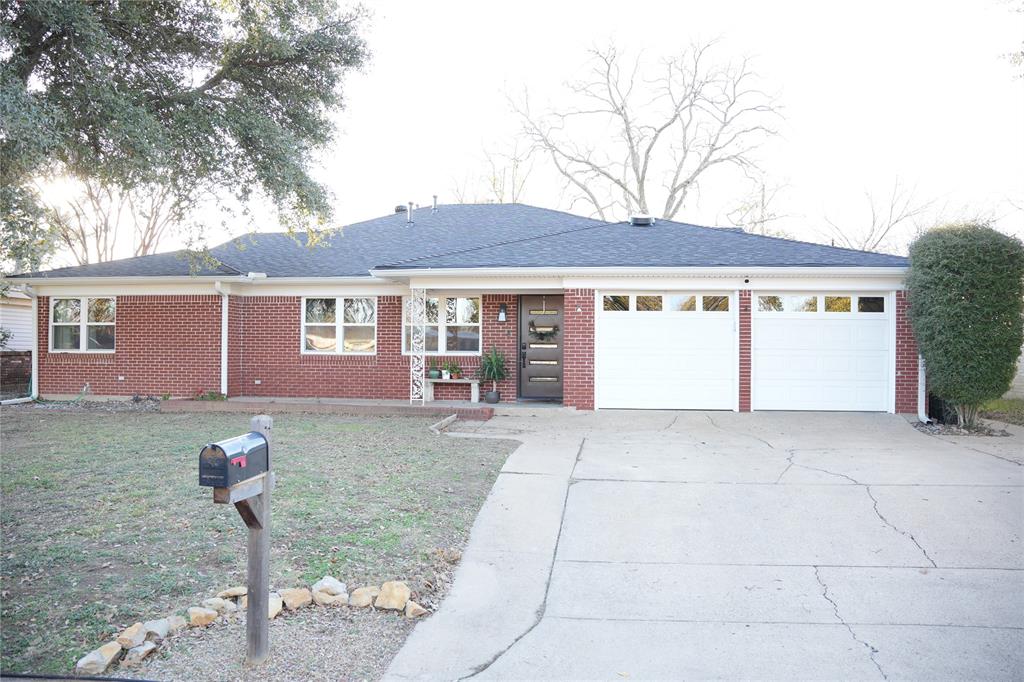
(887, 522)
(539, 616)
(737, 431)
(872, 651)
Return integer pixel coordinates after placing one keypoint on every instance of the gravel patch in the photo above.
(315, 643)
(936, 429)
(134, 404)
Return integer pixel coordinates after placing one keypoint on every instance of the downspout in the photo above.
(922, 393)
(218, 287)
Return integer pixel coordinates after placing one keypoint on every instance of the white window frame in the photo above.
(339, 327)
(83, 324)
(442, 325)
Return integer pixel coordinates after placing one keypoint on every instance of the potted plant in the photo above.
(434, 373)
(492, 368)
(454, 370)
(445, 372)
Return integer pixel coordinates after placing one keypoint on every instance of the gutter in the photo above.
(223, 337)
(760, 271)
(34, 392)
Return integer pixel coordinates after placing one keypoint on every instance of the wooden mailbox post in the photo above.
(251, 497)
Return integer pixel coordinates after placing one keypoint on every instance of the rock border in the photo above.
(137, 642)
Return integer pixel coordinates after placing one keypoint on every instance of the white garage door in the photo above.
(820, 352)
(667, 350)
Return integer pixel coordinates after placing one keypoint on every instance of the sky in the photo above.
(870, 92)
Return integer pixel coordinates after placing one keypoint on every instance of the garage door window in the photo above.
(682, 303)
(870, 304)
(648, 303)
(616, 303)
(787, 304)
(837, 304)
(716, 304)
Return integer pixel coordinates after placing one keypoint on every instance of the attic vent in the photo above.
(641, 220)
(400, 208)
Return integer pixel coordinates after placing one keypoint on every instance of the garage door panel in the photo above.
(820, 361)
(665, 360)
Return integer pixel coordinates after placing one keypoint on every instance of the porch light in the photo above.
(502, 310)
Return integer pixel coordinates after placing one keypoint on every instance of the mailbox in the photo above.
(231, 461)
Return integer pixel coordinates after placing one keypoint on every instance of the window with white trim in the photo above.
(452, 326)
(344, 325)
(84, 324)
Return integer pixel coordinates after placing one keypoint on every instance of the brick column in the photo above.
(503, 336)
(578, 349)
(906, 359)
(744, 359)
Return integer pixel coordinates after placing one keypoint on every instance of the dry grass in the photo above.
(103, 522)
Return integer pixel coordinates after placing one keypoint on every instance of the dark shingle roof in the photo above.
(487, 235)
(665, 244)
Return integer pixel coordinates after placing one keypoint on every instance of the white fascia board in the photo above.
(642, 272)
(187, 285)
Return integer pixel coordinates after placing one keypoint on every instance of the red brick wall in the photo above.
(906, 359)
(164, 344)
(578, 353)
(269, 351)
(744, 359)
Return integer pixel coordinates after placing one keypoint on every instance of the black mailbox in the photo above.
(231, 461)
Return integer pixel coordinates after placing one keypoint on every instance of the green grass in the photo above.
(1010, 410)
(103, 523)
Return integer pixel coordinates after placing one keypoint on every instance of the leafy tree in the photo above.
(231, 95)
(966, 295)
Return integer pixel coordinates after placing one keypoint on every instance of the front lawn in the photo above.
(1009, 410)
(103, 523)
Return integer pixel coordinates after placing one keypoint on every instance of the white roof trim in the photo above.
(827, 271)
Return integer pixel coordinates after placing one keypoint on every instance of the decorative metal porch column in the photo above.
(417, 316)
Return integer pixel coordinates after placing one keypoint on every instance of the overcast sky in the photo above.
(870, 90)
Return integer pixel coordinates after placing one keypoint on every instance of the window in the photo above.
(340, 325)
(837, 304)
(716, 303)
(82, 324)
(801, 304)
(648, 303)
(452, 326)
(682, 303)
(616, 302)
(769, 304)
(870, 304)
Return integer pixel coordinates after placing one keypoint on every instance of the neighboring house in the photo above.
(594, 314)
(1017, 387)
(16, 354)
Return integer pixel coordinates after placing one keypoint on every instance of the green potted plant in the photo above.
(434, 373)
(454, 370)
(492, 368)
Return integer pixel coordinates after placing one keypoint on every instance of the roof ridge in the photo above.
(597, 223)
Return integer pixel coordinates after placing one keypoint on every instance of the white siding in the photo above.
(18, 319)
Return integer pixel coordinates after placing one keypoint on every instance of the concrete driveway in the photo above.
(638, 545)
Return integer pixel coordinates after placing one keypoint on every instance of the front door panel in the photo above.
(541, 323)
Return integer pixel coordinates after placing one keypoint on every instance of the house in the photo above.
(16, 328)
(634, 314)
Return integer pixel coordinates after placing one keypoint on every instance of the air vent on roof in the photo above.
(641, 220)
(400, 208)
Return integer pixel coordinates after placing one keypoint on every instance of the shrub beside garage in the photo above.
(966, 294)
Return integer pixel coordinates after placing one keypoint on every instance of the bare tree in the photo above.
(92, 223)
(502, 180)
(755, 213)
(884, 220)
(669, 125)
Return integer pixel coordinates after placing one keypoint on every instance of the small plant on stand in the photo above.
(492, 368)
(454, 370)
(435, 373)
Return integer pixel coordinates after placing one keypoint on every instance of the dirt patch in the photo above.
(936, 429)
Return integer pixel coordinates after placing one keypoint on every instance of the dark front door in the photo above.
(540, 347)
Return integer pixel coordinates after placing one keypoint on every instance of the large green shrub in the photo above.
(966, 295)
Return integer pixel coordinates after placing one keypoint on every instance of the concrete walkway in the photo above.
(638, 545)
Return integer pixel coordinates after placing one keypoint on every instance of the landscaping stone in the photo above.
(237, 591)
(326, 599)
(243, 602)
(176, 623)
(393, 595)
(219, 605)
(330, 585)
(296, 597)
(201, 617)
(97, 661)
(275, 605)
(157, 630)
(132, 636)
(363, 596)
(135, 655)
(414, 610)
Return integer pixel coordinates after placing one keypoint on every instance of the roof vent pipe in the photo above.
(408, 215)
(641, 219)
(434, 208)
